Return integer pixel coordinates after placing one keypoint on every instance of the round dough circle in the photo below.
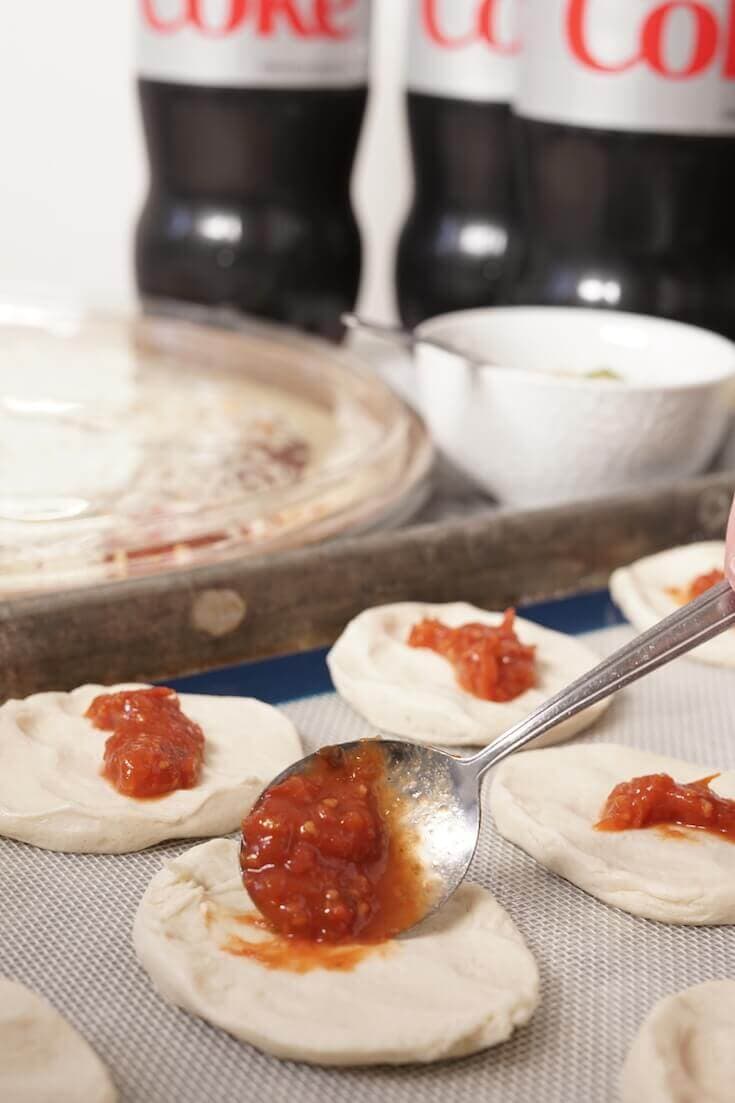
(42, 1057)
(684, 1050)
(642, 592)
(412, 692)
(53, 795)
(547, 802)
(464, 982)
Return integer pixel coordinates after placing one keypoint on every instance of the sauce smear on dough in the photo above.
(154, 749)
(490, 663)
(299, 955)
(327, 857)
(698, 586)
(657, 799)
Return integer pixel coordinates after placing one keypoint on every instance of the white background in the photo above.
(72, 172)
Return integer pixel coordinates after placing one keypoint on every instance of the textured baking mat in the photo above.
(65, 924)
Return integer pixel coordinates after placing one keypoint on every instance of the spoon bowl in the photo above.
(443, 791)
(441, 808)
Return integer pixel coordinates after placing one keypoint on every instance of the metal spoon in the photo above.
(408, 339)
(444, 790)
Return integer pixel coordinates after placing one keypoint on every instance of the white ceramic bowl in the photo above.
(533, 429)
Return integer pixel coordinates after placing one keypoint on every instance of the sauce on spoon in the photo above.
(327, 856)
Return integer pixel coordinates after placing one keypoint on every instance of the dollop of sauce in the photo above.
(154, 749)
(697, 586)
(656, 800)
(327, 856)
(490, 663)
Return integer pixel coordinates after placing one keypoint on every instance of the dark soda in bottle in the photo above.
(626, 128)
(460, 244)
(252, 111)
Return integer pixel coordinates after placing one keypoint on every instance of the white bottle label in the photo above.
(645, 65)
(463, 49)
(254, 43)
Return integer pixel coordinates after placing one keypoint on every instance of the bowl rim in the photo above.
(432, 327)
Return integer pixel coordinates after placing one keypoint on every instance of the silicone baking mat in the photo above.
(66, 921)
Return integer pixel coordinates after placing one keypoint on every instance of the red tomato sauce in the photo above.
(490, 663)
(326, 857)
(154, 749)
(657, 800)
(697, 587)
(705, 582)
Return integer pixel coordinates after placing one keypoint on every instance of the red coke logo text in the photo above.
(709, 39)
(483, 25)
(327, 19)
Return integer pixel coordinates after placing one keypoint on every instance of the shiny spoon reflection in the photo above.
(443, 791)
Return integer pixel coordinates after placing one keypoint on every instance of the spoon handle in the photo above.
(407, 339)
(695, 623)
(396, 334)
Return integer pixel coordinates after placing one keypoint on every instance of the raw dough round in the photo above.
(42, 1057)
(462, 984)
(413, 692)
(547, 802)
(684, 1051)
(642, 592)
(53, 795)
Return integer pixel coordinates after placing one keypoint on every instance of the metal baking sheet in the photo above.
(211, 617)
(66, 923)
(460, 545)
